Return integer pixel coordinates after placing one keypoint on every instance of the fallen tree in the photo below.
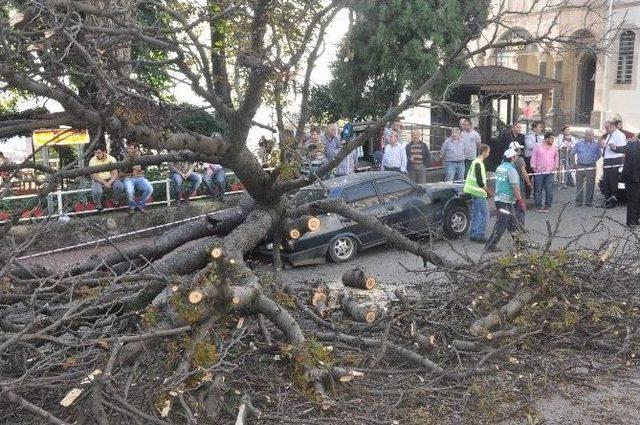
(167, 333)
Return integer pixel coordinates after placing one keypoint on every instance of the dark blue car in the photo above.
(415, 210)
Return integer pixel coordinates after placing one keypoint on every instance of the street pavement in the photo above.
(394, 268)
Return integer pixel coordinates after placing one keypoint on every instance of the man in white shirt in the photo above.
(612, 162)
(395, 156)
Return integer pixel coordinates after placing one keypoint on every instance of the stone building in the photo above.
(596, 84)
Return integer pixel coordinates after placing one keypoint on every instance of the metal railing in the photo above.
(56, 205)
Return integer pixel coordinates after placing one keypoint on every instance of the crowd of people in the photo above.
(412, 157)
(132, 179)
(528, 166)
(543, 156)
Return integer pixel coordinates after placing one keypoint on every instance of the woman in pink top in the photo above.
(544, 162)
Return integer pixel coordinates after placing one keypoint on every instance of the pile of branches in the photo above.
(89, 348)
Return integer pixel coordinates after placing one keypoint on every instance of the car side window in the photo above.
(394, 189)
(361, 196)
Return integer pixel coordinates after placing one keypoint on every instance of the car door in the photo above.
(364, 198)
(406, 207)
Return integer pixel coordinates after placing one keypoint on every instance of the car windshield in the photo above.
(305, 196)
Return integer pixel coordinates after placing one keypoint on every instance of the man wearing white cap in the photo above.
(521, 166)
(509, 201)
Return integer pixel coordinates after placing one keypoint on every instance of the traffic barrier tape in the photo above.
(567, 170)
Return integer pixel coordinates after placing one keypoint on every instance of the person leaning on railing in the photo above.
(133, 178)
(104, 179)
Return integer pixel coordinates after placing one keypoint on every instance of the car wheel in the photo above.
(456, 222)
(343, 248)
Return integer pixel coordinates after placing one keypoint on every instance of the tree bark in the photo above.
(356, 278)
(355, 311)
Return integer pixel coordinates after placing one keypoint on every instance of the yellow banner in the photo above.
(60, 136)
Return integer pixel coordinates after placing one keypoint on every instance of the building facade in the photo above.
(596, 61)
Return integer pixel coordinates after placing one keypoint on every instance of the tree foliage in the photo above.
(393, 46)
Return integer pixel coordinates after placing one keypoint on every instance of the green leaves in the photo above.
(394, 46)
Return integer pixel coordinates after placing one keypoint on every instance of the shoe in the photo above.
(493, 249)
(141, 209)
(546, 210)
(480, 240)
(99, 208)
(540, 210)
(588, 205)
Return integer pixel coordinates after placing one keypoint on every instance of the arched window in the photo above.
(624, 73)
(507, 56)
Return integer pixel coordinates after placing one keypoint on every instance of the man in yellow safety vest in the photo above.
(476, 185)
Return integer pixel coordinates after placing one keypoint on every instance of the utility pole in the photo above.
(605, 86)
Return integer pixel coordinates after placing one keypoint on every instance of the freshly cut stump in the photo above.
(320, 301)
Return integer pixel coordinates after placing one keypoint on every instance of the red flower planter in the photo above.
(79, 207)
(37, 212)
(109, 203)
(4, 216)
(237, 186)
(25, 214)
(90, 206)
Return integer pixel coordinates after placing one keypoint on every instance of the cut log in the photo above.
(427, 343)
(467, 345)
(195, 296)
(506, 333)
(356, 278)
(320, 301)
(298, 227)
(501, 315)
(216, 252)
(357, 312)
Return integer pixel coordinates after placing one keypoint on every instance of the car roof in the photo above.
(352, 179)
